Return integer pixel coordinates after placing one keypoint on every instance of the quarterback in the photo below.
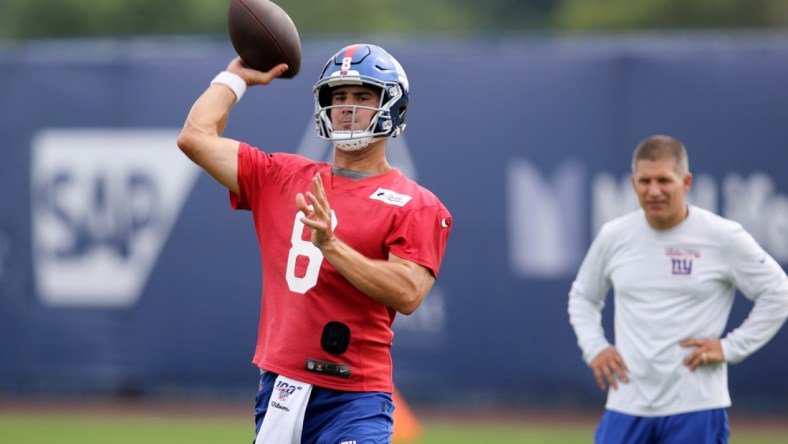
(344, 246)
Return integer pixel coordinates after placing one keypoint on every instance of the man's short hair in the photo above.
(660, 147)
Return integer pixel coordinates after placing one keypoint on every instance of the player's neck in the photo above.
(369, 160)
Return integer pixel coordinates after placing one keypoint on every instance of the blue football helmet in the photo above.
(369, 65)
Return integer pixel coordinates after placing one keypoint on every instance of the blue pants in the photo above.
(334, 416)
(703, 427)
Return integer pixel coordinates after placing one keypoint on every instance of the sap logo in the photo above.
(103, 204)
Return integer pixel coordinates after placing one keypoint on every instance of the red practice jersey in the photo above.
(303, 293)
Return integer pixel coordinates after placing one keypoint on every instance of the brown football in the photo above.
(264, 35)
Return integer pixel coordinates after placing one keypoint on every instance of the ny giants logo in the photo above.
(681, 259)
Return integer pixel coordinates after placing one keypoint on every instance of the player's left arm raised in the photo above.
(398, 283)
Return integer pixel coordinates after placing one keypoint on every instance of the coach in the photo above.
(674, 269)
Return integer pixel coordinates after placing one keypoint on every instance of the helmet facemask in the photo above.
(379, 127)
(386, 76)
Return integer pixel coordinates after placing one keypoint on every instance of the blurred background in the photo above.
(123, 271)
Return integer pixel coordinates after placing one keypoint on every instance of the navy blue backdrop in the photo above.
(122, 268)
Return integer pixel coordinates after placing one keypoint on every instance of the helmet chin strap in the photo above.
(350, 143)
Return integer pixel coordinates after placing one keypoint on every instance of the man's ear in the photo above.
(687, 181)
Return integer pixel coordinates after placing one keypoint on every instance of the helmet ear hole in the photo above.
(324, 96)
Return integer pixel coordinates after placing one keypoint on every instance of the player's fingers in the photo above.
(693, 343)
(301, 203)
(696, 359)
(318, 206)
(600, 381)
(610, 376)
(264, 78)
(623, 363)
(254, 77)
(616, 365)
(277, 71)
(605, 371)
(320, 189)
(236, 64)
(710, 357)
(315, 227)
(620, 372)
(701, 358)
(624, 370)
(689, 359)
(320, 195)
(317, 184)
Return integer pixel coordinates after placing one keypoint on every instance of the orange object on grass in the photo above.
(406, 426)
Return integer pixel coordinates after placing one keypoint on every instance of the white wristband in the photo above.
(232, 81)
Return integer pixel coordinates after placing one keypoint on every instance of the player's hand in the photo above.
(706, 352)
(317, 213)
(252, 76)
(609, 368)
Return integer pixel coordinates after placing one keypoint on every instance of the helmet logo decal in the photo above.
(346, 64)
(347, 59)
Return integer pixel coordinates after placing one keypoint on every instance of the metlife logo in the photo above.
(548, 213)
(103, 204)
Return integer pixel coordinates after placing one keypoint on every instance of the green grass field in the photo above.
(37, 428)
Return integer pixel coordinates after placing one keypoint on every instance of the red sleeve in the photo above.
(421, 237)
(252, 163)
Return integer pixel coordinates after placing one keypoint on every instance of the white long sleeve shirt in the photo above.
(671, 285)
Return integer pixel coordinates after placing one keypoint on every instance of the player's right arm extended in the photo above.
(201, 137)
